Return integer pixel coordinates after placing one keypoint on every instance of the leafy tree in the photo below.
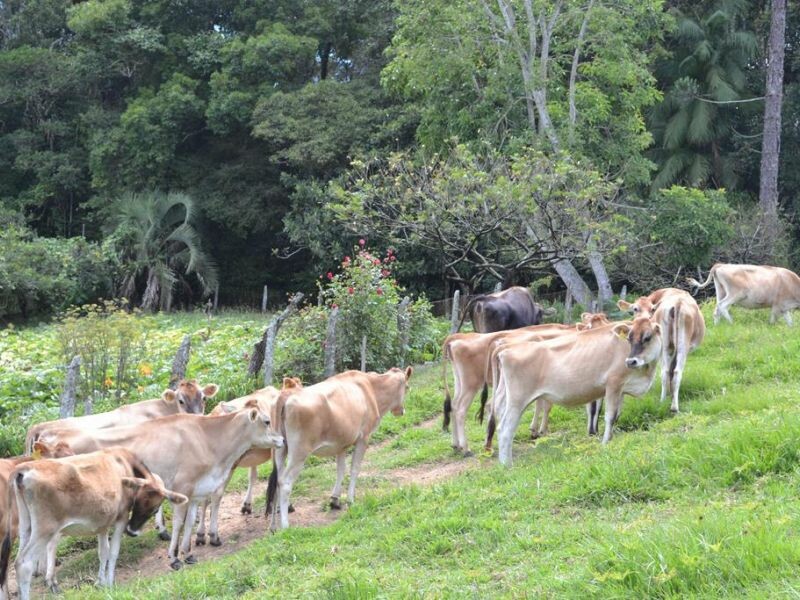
(157, 244)
(705, 79)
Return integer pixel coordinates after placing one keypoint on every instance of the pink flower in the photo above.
(347, 259)
(350, 290)
(361, 242)
(379, 291)
(393, 258)
(330, 275)
(334, 306)
(376, 262)
(384, 272)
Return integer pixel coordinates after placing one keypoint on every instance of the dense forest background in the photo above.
(155, 149)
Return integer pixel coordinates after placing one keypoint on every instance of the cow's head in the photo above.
(592, 321)
(644, 337)
(264, 436)
(149, 493)
(190, 397)
(398, 405)
(643, 307)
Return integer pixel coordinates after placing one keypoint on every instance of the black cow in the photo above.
(510, 309)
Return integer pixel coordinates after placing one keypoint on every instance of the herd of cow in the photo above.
(107, 474)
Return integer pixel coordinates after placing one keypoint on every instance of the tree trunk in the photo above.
(324, 59)
(573, 280)
(180, 362)
(67, 403)
(330, 344)
(604, 291)
(770, 146)
(261, 350)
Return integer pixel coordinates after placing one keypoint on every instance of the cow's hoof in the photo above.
(190, 560)
(468, 454)
(215, 540)
(164, 535)
(247, 508)
(335, 503)
(176, 564)
(674, 411)
(201, 539)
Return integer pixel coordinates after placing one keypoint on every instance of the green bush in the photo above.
(368, 299)
(42, 275)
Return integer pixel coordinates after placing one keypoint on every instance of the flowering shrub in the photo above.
(368, 299)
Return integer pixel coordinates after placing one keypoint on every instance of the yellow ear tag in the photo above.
(37, 454)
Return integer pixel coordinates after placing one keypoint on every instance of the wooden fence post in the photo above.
(568, 308)
(363, 354)
(264, 300)
(330, 344)
(623, 292)
(67, 401)
(498, 287)
(264, 351)
(180, 362)
(216, 297)
(454, 312)
(403, 326)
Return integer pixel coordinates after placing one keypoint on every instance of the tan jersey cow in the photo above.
(682, 328)
(189, 397)
(193, 454)
(576, 369)
(263, 399)
(8, 507)
(327, 419)
(753, 286)
(79, 495)
(469, 352)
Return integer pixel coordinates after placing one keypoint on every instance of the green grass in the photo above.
(699, 505)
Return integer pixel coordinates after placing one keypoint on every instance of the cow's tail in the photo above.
(699, 286)
(468, 311)
(5, 546)
(484, 398)
(5, 557)
(487, 367)
(31, 437)
(447, 408)
(279, 424)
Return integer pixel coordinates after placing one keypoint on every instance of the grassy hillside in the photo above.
(696, 505)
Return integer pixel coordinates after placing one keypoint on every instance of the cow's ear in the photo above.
(210, 390)
(226, 408)
(290, 383)
(657, 328)
(298, 383)
(409, 371)
(169, 396)
(175, 497)
(253, 415)
(623, 305)
(581, 326)
(621, 330)
(585, 316)
(133, 483)
(39, 449)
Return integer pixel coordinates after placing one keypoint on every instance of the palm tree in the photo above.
(707, 76)
(158, 244)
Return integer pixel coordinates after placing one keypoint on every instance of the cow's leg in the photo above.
(186, 542)
(613, 401)
(113, 552)
(215, 540)
(787, 316)
(273, 503)
(178, 518)
(286, 481)
(162, 529)
(537, 413)
(102, 553)
(25, 564)
(50, 574)
(247, 503)
(355, 467)
(592, 413)
(678, 364)
(544, 407)
(337, 487)
(506, 430)
(458, 386)
(201, 526)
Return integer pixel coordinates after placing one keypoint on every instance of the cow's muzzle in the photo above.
(132, 532)
(634, 363)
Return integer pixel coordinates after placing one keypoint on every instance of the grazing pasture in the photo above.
(703, 503)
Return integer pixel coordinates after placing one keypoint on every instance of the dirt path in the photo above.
(237, 530)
